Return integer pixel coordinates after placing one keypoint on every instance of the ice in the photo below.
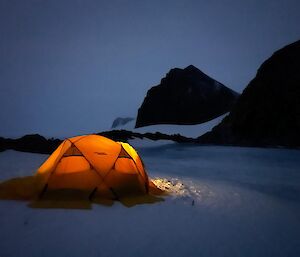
(225, 201)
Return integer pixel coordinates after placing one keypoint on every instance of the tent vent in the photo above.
(124, 154)
(72, 151)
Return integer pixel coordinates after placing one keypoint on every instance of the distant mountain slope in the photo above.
(268, 111)
(185, 96)
(121, 122)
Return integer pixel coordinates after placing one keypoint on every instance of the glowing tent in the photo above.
(96, 164)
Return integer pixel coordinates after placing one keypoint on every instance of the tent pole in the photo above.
(43, 191)
(92, 193)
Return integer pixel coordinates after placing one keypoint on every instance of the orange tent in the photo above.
(89, 167)
(96, 164)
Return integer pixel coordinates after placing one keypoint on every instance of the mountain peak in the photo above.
(191, 68)
(185, 96)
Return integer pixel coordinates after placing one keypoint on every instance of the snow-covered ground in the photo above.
(233, 202)
(184, 130)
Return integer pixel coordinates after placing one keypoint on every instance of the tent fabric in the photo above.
(95, 162)
(84, 170)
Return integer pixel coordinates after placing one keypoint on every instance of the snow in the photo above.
(138, 143)
(184, 130)
(226, 201)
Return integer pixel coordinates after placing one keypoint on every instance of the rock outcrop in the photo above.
(185, 96)
(268, 111)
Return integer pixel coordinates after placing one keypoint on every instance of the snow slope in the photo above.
(235, 202)
(184, 130)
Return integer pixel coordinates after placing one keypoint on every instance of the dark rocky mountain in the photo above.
(121, 121)
(268, 111)
(185, 96)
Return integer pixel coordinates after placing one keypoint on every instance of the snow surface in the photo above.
(234, 202)
(184, 130)
(142, 143)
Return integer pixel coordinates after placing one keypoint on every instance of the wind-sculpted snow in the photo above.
(173, 187)
(222, 201)
(186, 191)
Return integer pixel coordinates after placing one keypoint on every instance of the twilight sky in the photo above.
(70, 67)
